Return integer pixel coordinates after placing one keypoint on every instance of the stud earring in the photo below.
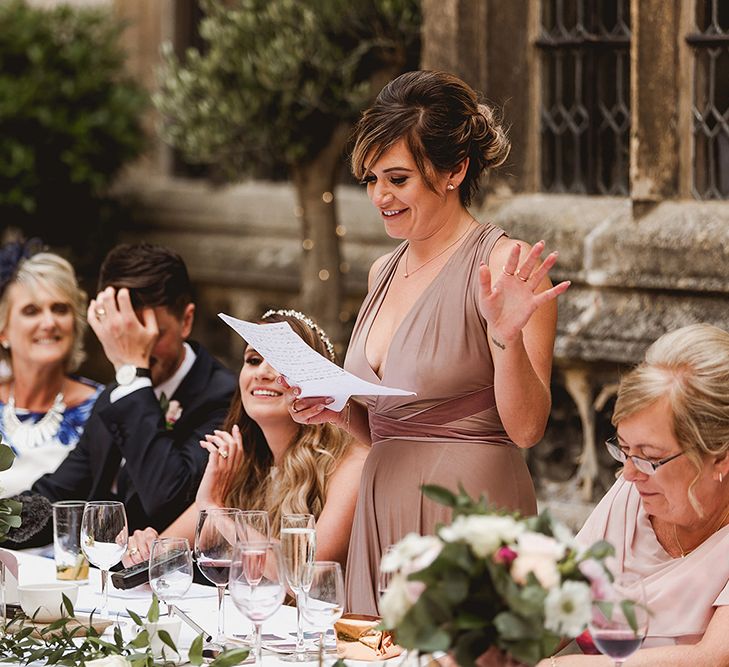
(450, 186)
(6, 345)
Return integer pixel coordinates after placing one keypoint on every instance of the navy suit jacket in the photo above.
(163, 467)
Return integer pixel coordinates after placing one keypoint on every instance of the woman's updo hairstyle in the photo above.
(443, 123)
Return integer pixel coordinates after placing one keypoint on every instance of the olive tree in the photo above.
(288, 78)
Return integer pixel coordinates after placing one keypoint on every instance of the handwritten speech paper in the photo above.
(303, 366)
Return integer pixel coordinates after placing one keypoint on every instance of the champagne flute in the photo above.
(104, 537)
(254, 526)
(619, 619)
(324, 604)
(215, 536)
(257, 585)
(170, 569)
(298, 547)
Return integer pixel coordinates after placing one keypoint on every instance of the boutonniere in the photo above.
(172, 410)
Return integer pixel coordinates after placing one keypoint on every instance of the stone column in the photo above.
(654, 95)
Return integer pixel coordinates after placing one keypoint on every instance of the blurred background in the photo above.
(220, 129)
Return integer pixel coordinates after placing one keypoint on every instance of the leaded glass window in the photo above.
(585, 107)
(710, 109)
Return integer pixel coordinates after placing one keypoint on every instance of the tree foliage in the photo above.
(279, 75)
(69, 118)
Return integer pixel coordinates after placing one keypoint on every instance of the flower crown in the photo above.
(12, 254)
(309, 323)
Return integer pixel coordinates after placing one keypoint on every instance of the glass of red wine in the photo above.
(215, 537)
(619, 619)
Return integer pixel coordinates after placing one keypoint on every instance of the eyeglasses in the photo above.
(643, 465)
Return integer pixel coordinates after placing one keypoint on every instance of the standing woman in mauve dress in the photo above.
(459, 313)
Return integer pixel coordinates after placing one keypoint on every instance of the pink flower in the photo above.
(173, 414)
(505, 556)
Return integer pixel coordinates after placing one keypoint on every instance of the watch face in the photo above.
(126, 374)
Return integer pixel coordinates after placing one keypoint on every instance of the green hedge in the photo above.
(69, 117)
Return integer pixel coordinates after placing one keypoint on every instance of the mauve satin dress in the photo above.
(449, 433)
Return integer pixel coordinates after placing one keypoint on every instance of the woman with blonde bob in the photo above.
(667, 515)
(43, 406)
(262, 459)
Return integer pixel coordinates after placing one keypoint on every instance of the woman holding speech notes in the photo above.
(263, 460)
(458, 313)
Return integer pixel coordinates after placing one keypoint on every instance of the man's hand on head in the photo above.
(126, 335)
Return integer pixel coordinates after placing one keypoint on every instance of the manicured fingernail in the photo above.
(279, 380)
(329, 401)
(296, 391)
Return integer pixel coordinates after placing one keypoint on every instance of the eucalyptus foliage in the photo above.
(69, 116)
(68, 642)
(277, 76)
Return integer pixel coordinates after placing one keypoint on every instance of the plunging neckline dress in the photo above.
(450, 433)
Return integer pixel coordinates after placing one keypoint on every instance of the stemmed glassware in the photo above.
(254, 526)
(170, 569)
(104, 537)
(298, 547)
(215, 537)
(257, 585)
(619, 619)
(324, 603)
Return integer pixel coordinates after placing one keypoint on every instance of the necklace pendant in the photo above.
(405, 275)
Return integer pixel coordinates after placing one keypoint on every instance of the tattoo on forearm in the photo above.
(498, 344)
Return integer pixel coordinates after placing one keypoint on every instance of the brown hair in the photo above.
(442, 121)
(689, 368)
(306, 468)
(50, 271)
(154, 276)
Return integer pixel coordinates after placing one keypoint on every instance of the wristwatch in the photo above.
(128, 372)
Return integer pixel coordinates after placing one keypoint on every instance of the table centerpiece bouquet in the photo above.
(490, 581)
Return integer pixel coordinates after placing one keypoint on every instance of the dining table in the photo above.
(199, 604)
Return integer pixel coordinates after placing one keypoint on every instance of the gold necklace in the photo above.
(407, 273)
(724, 517)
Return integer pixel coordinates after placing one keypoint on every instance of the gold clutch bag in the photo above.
(359, 639)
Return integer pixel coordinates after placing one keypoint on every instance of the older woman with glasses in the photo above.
(667, 515)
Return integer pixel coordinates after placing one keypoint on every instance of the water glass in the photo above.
(254, 526)
(215, 537)
(619, 619)
(324, 603)
(71, 564)
(104, 537)
(170, 569)
(257, 585)
(298, 548)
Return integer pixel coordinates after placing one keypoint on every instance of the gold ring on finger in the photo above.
(223, 453)
(100, 312)
(133, 551)
(522, 278)
(505, 272)
(293, 406)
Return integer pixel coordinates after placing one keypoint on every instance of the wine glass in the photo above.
(298, 547)
(619, 619)
(170, 569)
(324, 603)
(215, 536)
(257, 585)
(104, 537)
(254, 526)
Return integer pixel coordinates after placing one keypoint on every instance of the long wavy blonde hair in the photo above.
(302, 476)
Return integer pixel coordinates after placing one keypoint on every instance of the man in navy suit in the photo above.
(141, 442)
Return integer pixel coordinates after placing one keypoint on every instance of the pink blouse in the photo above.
(681, 592)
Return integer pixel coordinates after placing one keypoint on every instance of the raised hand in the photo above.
(125, 339)
(225, 459)
(509, 299)
(312, 410)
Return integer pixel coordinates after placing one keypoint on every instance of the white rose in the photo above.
(484, 534)
(412, 547)
(395, 601)
(543, 567)
(567, 609)
(109, 661)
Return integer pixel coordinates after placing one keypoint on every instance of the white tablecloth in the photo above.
(201, 605)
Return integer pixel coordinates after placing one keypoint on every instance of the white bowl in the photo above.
(46, 599)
